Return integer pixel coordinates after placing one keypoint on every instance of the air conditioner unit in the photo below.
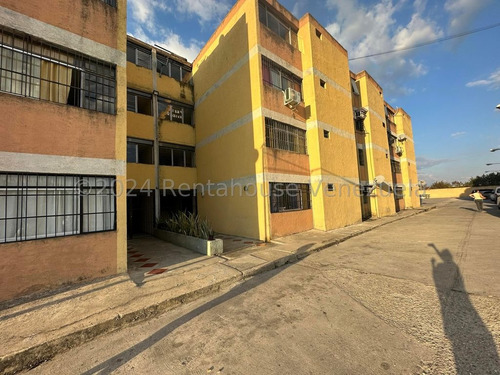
(399, 150)
(359, 113)
(292, 97)
(401, 138)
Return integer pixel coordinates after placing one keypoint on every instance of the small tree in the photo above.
(440, 185)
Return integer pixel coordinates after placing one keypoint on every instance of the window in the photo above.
(285, 137)
(391, 139)
(44, 206)
(330, 187)
(395, 166)
(277, 76)
(110, 2)
(38, 70)
(176, 155)
(326, 134)
(359, 125)
(174, 111)
(383, 124)
(322, 83)
(354, 87)
(289, 197)
(267, 18)
(171, 68)
(361, 156)
(138, 55)
(398, 192)
(139, 102)
(318, 34)
(139, 151)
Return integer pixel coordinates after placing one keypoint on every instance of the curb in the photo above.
(34, 356)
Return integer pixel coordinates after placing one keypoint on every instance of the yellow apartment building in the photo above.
(161, 172)
(62, 142)
(287, 138)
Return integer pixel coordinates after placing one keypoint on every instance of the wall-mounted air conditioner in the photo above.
(401, 138)
(292, 97)
(399, 150)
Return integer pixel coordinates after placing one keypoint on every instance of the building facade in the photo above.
(62, 142)
(161, 165)
(287, 138)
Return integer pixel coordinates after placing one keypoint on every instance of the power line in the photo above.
(459, 35)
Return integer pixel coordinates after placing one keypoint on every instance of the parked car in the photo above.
(496, 194)
(487, 193)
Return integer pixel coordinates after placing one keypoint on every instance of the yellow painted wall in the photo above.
(173, 89)
(140, 126)
(175, 132)
(139, 78)
(180, 176)
(461, 192)
(333, 159)
(140, 176)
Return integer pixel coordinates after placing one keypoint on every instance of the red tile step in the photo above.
(141, 260)
(156, 271)
(149, 265)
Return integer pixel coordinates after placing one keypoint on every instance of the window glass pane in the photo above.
(275, 78)
(177, 114)
(272, 23)
(144, 105)
(143, 59)
(163, 110)
(188, 116)
(130, 102)
(190, 159)
(165, 156)
(131, 153)
(145, 153)
(283, 31)
(175, 71)
(178, 160)
(262, 14)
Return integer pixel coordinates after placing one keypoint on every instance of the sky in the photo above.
(450, 89)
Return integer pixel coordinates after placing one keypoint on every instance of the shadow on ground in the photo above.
(473, 345)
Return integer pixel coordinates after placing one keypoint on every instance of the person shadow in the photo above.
(473, 346)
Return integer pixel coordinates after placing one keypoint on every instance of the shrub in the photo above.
(188, 224)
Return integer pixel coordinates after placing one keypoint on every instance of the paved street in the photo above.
(421, 295)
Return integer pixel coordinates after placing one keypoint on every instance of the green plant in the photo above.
(188, 224)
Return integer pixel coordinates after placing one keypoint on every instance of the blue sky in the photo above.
(450, 89)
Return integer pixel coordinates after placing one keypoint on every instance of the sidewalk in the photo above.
(35, 331)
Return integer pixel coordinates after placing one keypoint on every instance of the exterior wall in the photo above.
(408, 164)
(229, 129)
(461, 192)
(334, 159)
(45, 137)
(376, 146)
(286, 223)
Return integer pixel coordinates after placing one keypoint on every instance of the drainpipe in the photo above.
(156, 144)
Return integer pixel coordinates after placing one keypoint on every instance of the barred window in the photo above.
(176, 155)
(110, 2)
(174, 111)
(139, 102)
(289, 197)
(395, 166)
(359, 125)
(171, 68)
(285, 32)
(361, 156)
(277, 76)
(138, 55)
(44, 206)
(42, 71)
(139, 151)
(285, 137)
(398, 192)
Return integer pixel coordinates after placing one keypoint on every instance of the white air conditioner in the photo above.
(359, 113)
(401, 138)
(292, 97)
(399, 150)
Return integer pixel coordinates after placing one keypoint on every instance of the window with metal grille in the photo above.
(39, 70)
(176, 155)
(139, 151)
(110, 2)
(138, 55)
(270, 20)
(359, 125)
(139, 102)
(398, 192)
(36, 206)
(289, 196)
(395, 166)
(277, 76)
(361, 156)
(285, 137)
(171, 68)
(171, 110)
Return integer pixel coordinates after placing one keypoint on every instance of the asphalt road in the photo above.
(419, 296)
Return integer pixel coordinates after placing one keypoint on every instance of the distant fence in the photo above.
(461, 192)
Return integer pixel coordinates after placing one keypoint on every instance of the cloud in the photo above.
(366, 30)
(424, 163)
(463, 12)
(205, 10)
(457, 134)
(492, 82)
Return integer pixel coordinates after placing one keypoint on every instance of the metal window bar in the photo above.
(36, 69)
(174, 111)
(46, 206)
(396, 166)
(289, 197)
(285, 137)
(110, 2)
(270, 67)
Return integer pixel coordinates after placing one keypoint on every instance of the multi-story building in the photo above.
(278, 149)
(161, 173)
(62, 142)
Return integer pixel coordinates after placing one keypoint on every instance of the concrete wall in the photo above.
(461, 192)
